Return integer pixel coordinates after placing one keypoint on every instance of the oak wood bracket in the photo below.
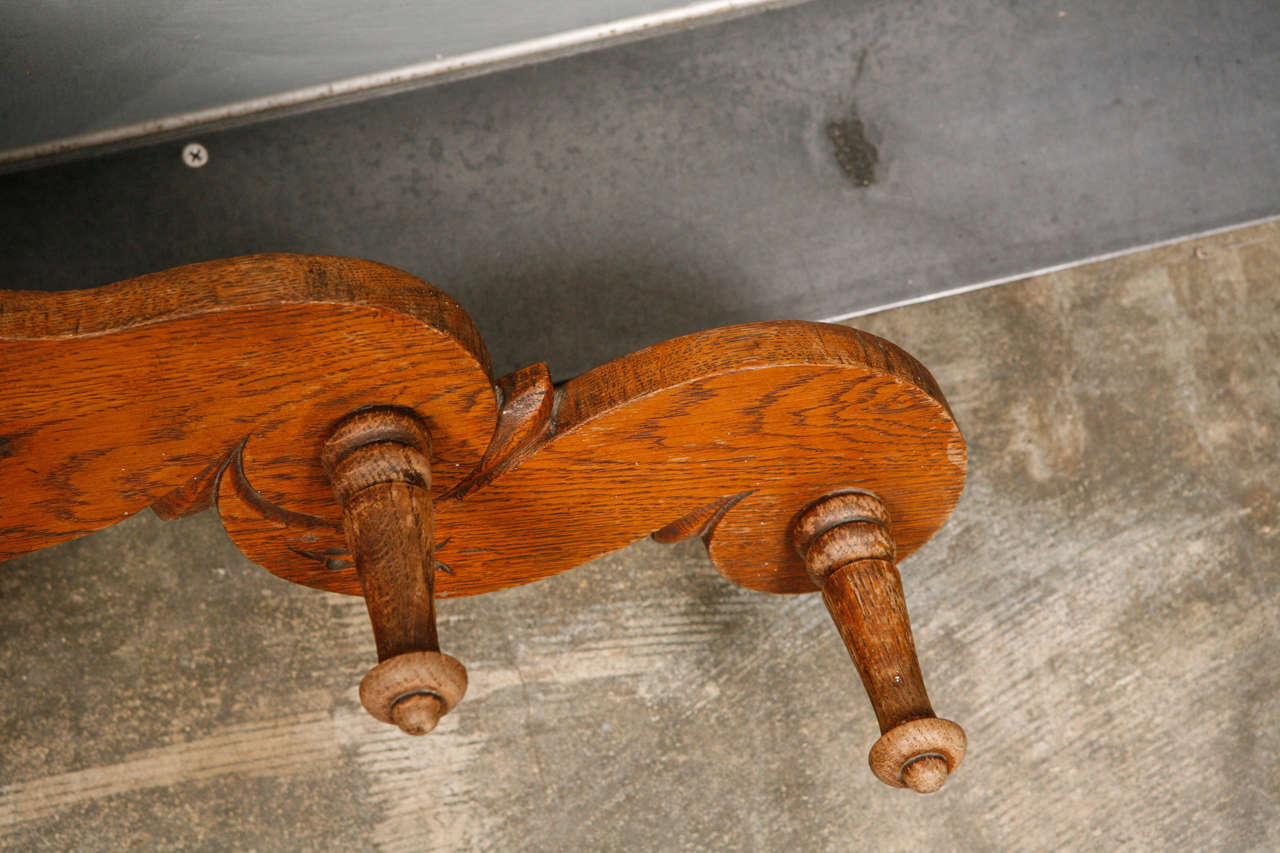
(342, 417)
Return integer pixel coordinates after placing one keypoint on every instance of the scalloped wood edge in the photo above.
(219, 380)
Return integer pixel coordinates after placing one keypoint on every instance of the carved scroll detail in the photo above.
(138, 393)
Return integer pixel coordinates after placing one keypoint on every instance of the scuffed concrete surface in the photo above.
(1100, 614)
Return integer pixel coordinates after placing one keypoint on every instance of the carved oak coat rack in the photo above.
(341, 416)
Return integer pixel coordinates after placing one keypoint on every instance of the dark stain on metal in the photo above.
(856, 154)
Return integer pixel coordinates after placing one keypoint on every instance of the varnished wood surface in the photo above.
(770, 416)
(113, 398)
(133, 405)
(847, 544)
(378, 460)
(867, 604)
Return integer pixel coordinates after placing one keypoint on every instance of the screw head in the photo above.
(194, 155)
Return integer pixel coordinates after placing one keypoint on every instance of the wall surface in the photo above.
(1100, 614)
(589, 206)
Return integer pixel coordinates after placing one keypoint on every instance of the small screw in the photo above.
(194, 155)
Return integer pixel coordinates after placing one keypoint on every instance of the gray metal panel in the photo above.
(80, 73)
(583, 207)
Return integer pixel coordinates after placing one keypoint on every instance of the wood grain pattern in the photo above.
(378, 460)
(137, 402)
(116, 397)
(846, 541)
(772, 414)
(867, 604)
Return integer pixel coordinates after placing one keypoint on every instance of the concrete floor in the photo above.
(1100, 614)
